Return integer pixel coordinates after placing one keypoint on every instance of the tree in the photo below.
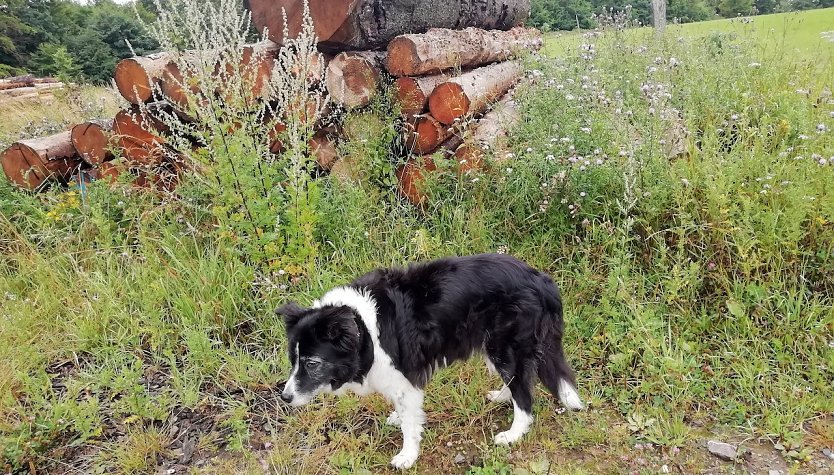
(733, 8)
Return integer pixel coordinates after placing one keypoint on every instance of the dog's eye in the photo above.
(312, 364)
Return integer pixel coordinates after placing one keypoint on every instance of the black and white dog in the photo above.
(390, 329)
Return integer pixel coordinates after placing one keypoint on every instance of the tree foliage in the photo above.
(70, 40)
(570, 14)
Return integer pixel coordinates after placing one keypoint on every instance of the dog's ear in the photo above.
(341, 329)
(292, 313)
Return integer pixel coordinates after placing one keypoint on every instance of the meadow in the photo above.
(678, 189)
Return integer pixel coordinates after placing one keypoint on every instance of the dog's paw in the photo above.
(404, 460)
(393, 419)
(506, 438)
(502, 395)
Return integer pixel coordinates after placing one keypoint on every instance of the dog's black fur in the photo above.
(432, 314)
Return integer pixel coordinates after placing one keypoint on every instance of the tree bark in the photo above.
(353, 78)
(413, 93)
(488, 135)
(92, 141)
(136, 77)
(440, 49)
(342, 25)
(659, 15)
(31, 163)
(472, 93)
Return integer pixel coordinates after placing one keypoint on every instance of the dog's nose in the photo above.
(286, 397)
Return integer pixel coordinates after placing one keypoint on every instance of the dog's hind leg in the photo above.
(556, 374)
(503, 394)
(517, 373)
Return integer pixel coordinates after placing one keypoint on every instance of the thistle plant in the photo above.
(241, 95)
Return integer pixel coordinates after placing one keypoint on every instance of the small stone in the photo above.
(267, 445)
(828, 453)
(188, 450)
(722, 450)
(172, 432)
(449, 444)
(459, 459)
(665, 469)
(774, 472)
(170, 471)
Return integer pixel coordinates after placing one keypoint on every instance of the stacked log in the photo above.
(20, 88)
(31, 164)
(446, 64)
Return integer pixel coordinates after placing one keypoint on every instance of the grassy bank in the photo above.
(678, 189)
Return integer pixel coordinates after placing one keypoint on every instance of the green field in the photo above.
(796, 35)
(680, 190)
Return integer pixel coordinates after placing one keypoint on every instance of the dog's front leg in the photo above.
(409, 407)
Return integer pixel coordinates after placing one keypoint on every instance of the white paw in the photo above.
(502, 395)
(506, 438)
(393, 419)
(404, 460)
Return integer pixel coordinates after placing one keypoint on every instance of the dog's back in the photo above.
(431, 314)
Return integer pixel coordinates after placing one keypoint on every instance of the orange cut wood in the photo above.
(413, 93)
(472, 93)
(92, 141)
(353, 78)
(137, 77)
(488, 135)
(411, 178)
(31, 163)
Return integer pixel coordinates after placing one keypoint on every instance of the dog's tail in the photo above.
(557, 376)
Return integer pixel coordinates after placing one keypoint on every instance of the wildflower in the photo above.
(583, 194)
(475, 180)
(685, 182)
(509, 171)
(803, 137)
(821, 128)
(598, 161)
(570, 97)
(550, 158)
(282, 271)
(651, 111)
(529, 149)
(823, 162)
(754, 65)
(674, 62)
(734, 117)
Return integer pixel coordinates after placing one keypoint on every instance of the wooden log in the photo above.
(441, 49)
(488, 135)
(411, 178)
(92, 141)
(413, 93)
(177, 87)
(471, 93)
(323, 147)
(48, 86)
(19, 91)
(26, 79)
(353, 78)
(342, 25)
(13, 85)
(136, 77)
(424, 134)
(137, 135)
(31, 163)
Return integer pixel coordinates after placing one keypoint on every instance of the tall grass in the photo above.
(697, 286)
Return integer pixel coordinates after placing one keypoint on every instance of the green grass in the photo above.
(793, 36)
(698, 285)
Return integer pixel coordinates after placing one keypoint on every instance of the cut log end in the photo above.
(31, 163)
(411, 179)
(402, 57)
(449, 102)
(426, 134)
(410, 97)
(133, 81)
(353, 78)
(20, 171)
(92, 142)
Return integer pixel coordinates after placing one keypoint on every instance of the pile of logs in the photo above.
(451, 66)
(28, 87)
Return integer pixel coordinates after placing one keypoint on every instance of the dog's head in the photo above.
(324, 347)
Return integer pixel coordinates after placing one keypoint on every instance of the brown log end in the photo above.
(448, 102)
(92, 142)
(469, 158)
(323, 148)
(352, 79)
(133, 81)
(409, 95)
(411, 179)
(18, 169)
(402, 57)
(426, 135)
